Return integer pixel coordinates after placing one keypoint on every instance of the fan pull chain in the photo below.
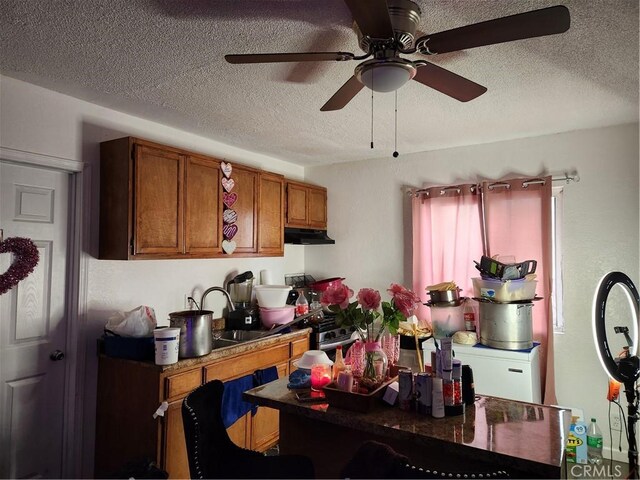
(372, 115)
(395, 141)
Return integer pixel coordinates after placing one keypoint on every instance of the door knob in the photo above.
(56, 356)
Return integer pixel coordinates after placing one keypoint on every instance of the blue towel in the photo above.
(299, 379)
(233, 406)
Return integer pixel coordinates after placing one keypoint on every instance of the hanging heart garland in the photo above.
(226, 169)
(228, 184)
(26, 258)
(229, 199)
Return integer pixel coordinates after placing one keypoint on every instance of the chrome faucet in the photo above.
(221, 290)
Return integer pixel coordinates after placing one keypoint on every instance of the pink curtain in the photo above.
(518, 223)
(514, 217)
(446, 238)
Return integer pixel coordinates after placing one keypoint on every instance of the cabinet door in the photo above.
(203, 207)
(157, 201)
(265, 424)
(174, 449)
(246, 187)
(318, 208)
(271, 214)
(297, 214)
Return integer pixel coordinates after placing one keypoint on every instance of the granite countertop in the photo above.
(228, 351)
(526, 436)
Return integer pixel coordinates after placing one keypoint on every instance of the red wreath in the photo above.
(26, 258)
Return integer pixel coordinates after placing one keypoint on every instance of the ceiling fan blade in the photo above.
(448, 82)
(289, 57)
(537, 23)
(343, 95)
(372, 17)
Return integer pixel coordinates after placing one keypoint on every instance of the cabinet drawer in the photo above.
(182, 383)
(298, 347)
(246, 364)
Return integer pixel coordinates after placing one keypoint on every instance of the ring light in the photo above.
(607, 360)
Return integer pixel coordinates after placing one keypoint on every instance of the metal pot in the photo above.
(451, 297)
(506, 325)
(195, 332)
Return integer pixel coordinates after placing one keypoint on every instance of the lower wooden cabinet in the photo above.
(129, 392)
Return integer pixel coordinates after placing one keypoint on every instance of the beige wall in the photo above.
(369, 218)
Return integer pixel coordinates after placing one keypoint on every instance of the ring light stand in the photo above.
(626, 368)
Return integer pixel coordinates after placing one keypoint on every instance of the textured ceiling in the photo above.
(163, 60)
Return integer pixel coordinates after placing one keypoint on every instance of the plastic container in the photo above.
(167, 345)
(594, 443)
(507, 291)
(302, 305)
(271, 317)
(445, 321)
(272, 296)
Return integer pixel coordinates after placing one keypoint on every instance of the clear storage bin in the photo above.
(446, 321)
(504, 291)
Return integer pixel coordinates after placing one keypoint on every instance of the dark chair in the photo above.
(378, 460)
(211, 452)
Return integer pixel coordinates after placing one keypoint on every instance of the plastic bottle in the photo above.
(338, 364)
(594, 443)
(302, 306)
(469, 314)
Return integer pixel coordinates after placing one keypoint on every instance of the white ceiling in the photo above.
(163, 60)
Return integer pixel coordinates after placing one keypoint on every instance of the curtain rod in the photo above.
(564, 178)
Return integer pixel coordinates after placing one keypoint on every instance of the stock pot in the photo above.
(508, 326)
(195, 332)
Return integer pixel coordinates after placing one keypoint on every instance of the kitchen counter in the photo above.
(227, 351)
(525, 438)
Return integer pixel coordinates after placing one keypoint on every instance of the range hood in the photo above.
(305, 236)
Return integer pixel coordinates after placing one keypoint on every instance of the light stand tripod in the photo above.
(625, 369)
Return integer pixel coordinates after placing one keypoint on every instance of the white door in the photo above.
(34, 204)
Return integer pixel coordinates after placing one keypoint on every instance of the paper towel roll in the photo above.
(266, 277)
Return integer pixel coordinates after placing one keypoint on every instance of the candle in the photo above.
(320, 375)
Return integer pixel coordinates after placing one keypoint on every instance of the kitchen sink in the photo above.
(242, 335)
(223, 342)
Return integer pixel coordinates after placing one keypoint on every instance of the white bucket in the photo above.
(167, 344)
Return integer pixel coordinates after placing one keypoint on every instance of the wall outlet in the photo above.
(615, 422)
(188, 302)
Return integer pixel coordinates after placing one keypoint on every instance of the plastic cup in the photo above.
(167, 344)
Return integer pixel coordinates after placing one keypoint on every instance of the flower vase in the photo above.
(375, 365)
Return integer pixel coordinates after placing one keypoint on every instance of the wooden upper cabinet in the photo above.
(271, 214)
(162, 202)
(203, 207)
(158, 201)
(306, 206)
(246, 187)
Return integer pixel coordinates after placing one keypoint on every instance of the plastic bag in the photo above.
(139, 322)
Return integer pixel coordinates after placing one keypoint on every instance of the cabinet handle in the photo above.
(516, 370)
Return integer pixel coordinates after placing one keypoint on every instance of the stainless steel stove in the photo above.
(327, 336)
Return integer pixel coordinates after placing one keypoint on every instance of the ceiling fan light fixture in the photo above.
(385, 75)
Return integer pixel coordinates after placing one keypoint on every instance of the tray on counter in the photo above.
(357, 402)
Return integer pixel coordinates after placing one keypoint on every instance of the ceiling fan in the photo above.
(387, 28)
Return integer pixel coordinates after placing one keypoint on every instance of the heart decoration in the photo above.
(228, 184)
(229, 246)
(230, 216)
(229, 198)
(229, 231)
(226, 169)
(26, 258)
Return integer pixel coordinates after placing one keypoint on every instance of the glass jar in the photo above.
(375, 366)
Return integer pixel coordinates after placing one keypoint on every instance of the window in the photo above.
(556, 259)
